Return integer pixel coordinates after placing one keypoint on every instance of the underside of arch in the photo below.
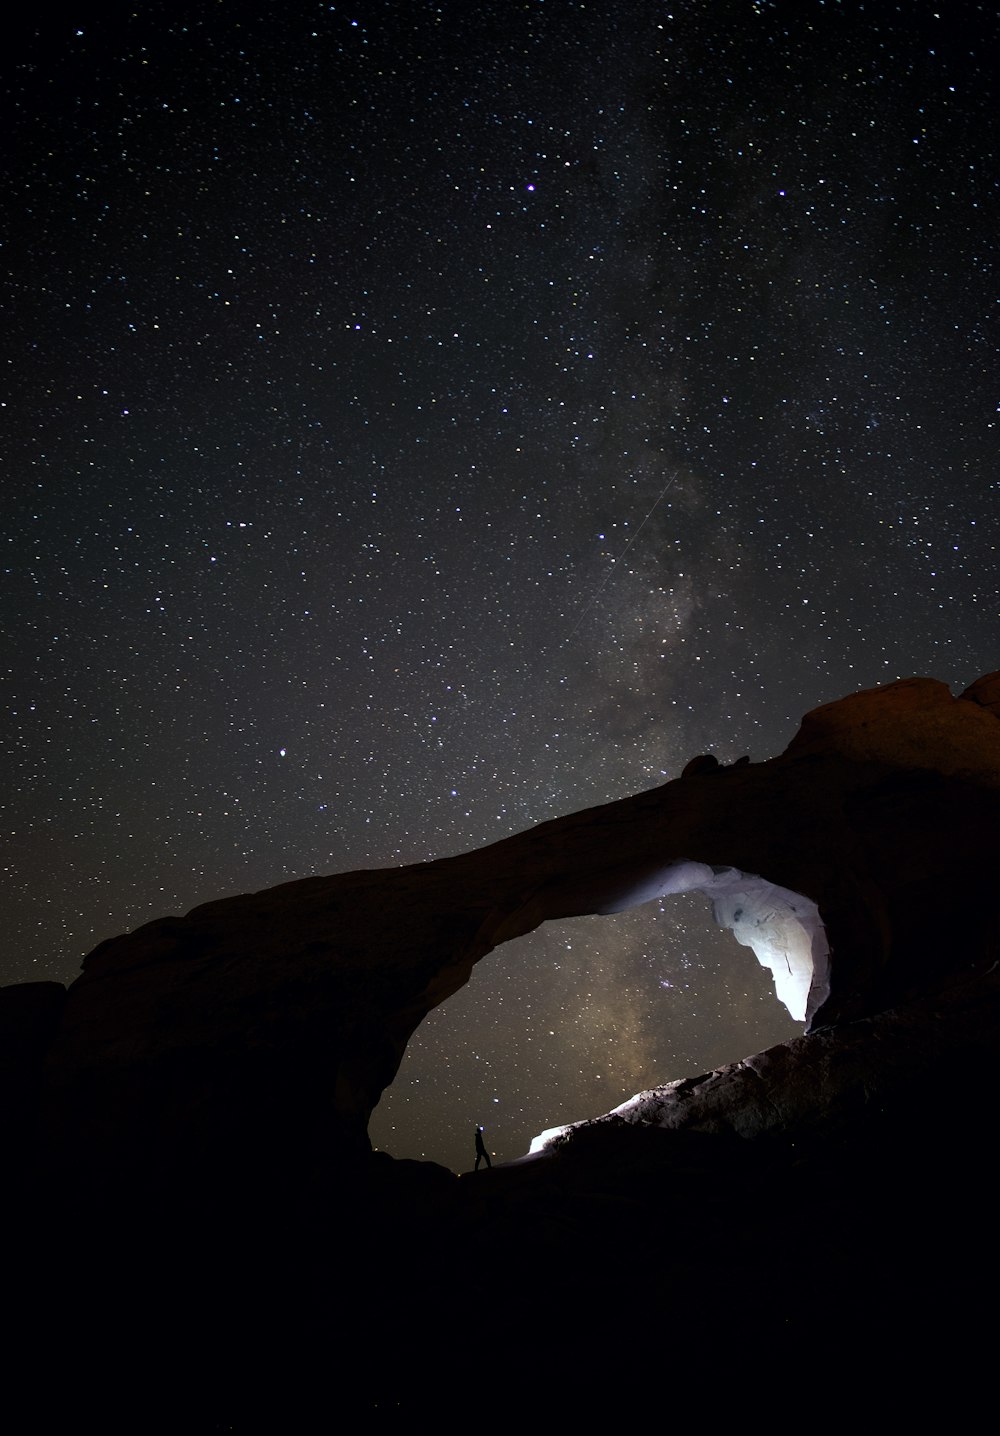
(783, 928)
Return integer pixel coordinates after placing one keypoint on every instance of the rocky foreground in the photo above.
(201, 1238)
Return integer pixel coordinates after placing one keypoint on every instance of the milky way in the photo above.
(422, 420)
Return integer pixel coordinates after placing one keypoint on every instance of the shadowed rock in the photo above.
(202, 1094)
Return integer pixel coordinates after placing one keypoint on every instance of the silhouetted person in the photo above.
(481, 1151)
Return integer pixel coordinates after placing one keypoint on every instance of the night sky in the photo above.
(423, 420)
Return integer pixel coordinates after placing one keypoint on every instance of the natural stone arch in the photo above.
(603, 1049)
(279, 1017)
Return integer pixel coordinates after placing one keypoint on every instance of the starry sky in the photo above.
(424, 419)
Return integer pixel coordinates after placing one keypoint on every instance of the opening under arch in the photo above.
(570, 1020)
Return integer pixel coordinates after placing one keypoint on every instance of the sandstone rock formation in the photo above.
(227, 1062)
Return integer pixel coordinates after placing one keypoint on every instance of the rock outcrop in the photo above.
(228, 1062)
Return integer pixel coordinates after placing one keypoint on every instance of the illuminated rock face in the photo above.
(786, 935)
(783, 929)
(277, 1018)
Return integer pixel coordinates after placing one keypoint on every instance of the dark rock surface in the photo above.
(196, 1197)
(29, 1017)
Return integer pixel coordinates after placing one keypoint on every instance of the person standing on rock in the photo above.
(481, 1151)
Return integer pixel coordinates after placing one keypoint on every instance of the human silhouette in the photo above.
(481, 1151)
